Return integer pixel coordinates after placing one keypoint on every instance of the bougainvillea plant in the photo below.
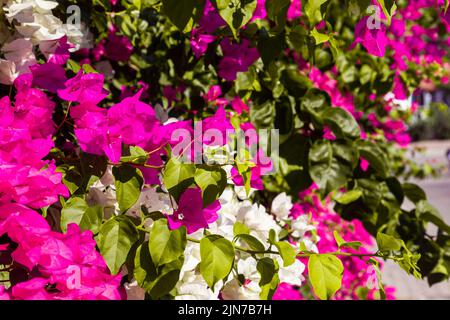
(215, 149)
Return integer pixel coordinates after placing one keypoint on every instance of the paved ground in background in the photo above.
(438, 191)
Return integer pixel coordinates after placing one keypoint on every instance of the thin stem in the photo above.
(300, 255)
(65, 117)
(136, 164)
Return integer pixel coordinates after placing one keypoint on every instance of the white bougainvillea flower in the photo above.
(281, 206)
(233, 290)
(20, 51)
(23, 10)
(247, 267)
(300, 226)
(291, 274)
(153, 201)
(8, 72)
(256, 218)
(194, 287)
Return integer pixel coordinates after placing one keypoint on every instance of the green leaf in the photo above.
(341, 122)
(137, 156)
(72, 179)
(287, 253)
(428, 213)
(76, 210)
(270, 47)
(277, 12)
(413, 192)
(252, 242)
(314, 102)
(236, 13)
(313, 10)
(115, 239)
(167, 279)
(128, 182)
(319, 37)
(217, 258)
(349, 197)
(386, 242)
(87, 68)
(178, 175)
(388, 10)
(212, 181)
(331, 164)
(144, 269)
(375, 156)
(180, 12)
(263, 115)
(268, 269)
(157, 282)
(73, 65)
(342, 243)
(166, 245)
(376, 267)
(325, 274)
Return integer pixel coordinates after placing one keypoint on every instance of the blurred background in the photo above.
(431, 147)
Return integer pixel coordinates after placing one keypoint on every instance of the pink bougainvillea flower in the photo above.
(200, 42)
(363, 164)
(191, 213)
(56, 259)
(216, 128)
(118, 48)
(328, 134)
(3, 294)
(286, 292)
(237, 58)
(295, 10)
(356, 274)
(263, 166)
(56, 51)
(374, 40)
(49, 76)
(397, 27)
(239, 106)
(31, 186)
(132, 120)
(260, 11)
(399, 88)
(211, 19)
(84, 88)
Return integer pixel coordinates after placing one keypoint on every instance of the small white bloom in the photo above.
(8, 72)
(152, 200)
(300, 226)
(234, 291)
(256, 218)
(247, 267)
(291, 274)
(194, 287)
(281, 206)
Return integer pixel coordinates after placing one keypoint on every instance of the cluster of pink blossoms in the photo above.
(40, 263)
(358, 274)
(236, 57)
(407, 43)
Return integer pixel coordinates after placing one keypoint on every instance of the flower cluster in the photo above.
(49, 264)
(139, 166)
